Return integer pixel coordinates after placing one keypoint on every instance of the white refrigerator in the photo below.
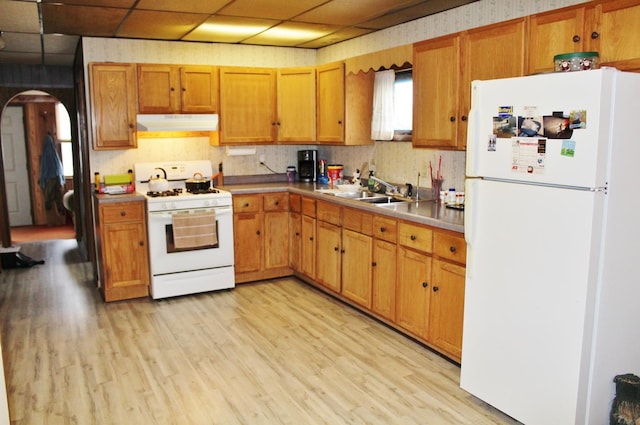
(552, 224)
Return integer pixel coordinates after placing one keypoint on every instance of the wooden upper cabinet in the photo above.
(358, 108)
(553, 33)
(436, 92)
(330, 103)
(170, 89)
(606, 27)
(443, 70)
(113, 105)
(612, 30)
(297, 105)
(247, 105)
(485, 58)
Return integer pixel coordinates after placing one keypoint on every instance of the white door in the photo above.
(15, 167)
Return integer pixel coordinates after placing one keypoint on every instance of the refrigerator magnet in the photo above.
(529, 126)
(557, 127)
(578, 119)
(505, 127)
(491, 146)
(568, 148)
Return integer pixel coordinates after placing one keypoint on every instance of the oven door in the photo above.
(165, 258)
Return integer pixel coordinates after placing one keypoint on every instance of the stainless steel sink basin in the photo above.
(383, 199)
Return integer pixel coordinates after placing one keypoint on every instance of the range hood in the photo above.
(177, 122)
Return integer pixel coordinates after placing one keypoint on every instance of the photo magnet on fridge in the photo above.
(505, 127)
(557, 127)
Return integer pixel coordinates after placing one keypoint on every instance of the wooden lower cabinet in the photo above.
(383, 280)
(447, 308)
(357, 251)
(328, 257)
(261, 236)
(412, 291)
(122, 250)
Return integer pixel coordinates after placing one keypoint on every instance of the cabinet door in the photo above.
(612, 30)
(158, 89)
(436, 65)
(247, 105)
(295, 241)
(297, 105)
(328, 256)
(248, 242)
(309, 246)
(113, 105)
(412, 296)
(358, 108)
(199, 89)
(447, 308)
(330, 107)
(125, 256)
(553, 33)
(276, 243)
(357, 253)
(486, 58)
(384, 279)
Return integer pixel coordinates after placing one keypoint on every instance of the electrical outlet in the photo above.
(261, 158)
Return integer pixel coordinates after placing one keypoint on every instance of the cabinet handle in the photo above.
(310, 238)
(273, 123)
(141, 243)
(435, 289)
(382, 230)
(123, 213)
(183, 89)
(452, 119)
(172, 89)
(335, 248)
(594, 35)
(452, 248)
(258, 232)
(576, 38)
(130, 125)
(374, 264)
(277, 203)
(413, 237)
(425, 284)
(464, 118)
(340, 122)
(246, 205)
(297, 233)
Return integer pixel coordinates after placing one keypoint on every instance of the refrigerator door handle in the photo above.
(470, 220)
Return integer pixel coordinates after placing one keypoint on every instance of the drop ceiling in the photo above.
(46, 32)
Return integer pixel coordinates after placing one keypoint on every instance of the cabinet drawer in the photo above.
(329, 213)
(276, 201)
(309, 207)
(385, 228)
(415, 236)
(247, 203)
(295, 203)
(357, 221)
(451, 247)
(121, 212)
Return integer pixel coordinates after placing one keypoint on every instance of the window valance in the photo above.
(383, 59)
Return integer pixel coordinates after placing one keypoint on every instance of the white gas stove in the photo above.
(190, 233)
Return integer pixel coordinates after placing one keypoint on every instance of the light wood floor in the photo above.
(277, 352)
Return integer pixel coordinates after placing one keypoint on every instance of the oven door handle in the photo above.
(168, 214)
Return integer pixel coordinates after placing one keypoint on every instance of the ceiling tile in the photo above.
(424, 8)
(21, 58)
(336, 37)
(291, 34)
(269, 9)
(81, 20)
(229, 29)
(159, 25)
(19, 16)
(19, 42)
(122, 4)
(190, 6)
(58, 60)
(349, 12)
(60, 44)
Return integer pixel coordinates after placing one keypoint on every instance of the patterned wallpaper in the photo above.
(396, 162)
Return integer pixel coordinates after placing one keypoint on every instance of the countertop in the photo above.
(425, 212)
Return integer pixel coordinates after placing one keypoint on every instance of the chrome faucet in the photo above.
(390, 188)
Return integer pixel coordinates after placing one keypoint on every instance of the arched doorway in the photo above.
(77, 113)
(38, 166)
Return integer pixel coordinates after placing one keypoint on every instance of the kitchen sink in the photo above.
(383, 200)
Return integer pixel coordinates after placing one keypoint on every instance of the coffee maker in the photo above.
(307, 165)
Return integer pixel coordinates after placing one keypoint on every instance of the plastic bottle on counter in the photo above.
(97, 181)
(451, 196)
